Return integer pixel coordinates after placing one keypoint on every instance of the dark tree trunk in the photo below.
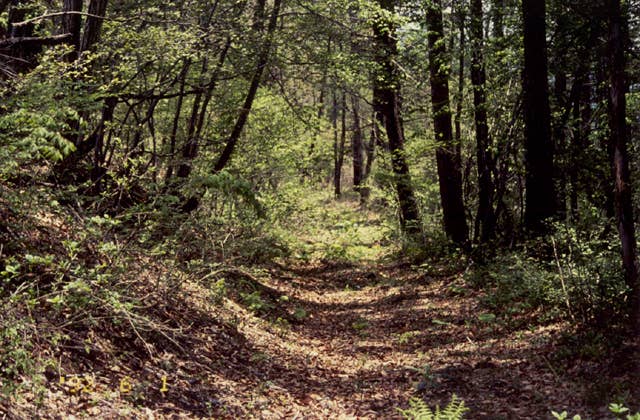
(259, 16)
(199, 113)
(387, 107)
(540, 192)
(449, 174)
(190, 148)
(374, 138)
(576, 146)
(460, 94)
(370, 152)
(98, 171)
(263, 59)
(176, 120)
(72, 24)
(485, 217)
(560, 143)
(334, 125)
(357, 146)
(620, 163)
(93, 25)
(497, 18)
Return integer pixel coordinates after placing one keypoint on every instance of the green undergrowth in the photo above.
(82, 276)
(340, 230)
(568, 275)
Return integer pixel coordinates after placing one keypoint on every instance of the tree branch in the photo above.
(34, 40)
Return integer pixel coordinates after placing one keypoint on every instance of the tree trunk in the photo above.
(357, 146)
(560, 142)
(370, 153)
(72, 24)
(253, 89)
(620, 163)
(540, 194)
(497, 17)
(176, 120)
(337, 167)
(93, 25)
(387, 107)
(485, 217)
(460, 94)
(449, 174)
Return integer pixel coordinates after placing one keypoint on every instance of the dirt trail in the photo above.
(327, 341)
(373, 337)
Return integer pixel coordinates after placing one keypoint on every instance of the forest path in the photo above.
(340, 329)
(368, 333)
(368, 338)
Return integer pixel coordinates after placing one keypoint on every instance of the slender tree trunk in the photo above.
(576, 146)
(357, 146)
(343, 138)
(387, 107)
(449, 173)
(540, 191)
(199, 113)
(263, 59)
(460, 94)
(374, 138)
(190, 148)
(259, 16)
(485, 216)
(497, 18)
(98, 171)
(620, 163)
(337, 168)
(176, 120)
(370, 152)
(560, 143)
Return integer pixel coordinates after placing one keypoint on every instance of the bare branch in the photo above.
(49, 15)
(34, 40)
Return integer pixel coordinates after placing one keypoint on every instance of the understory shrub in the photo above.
(578, 277)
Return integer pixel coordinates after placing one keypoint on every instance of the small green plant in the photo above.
(218, 291)
(487, 318)
(564, 416)
(427, 377)
(420, 410)
(255, 302)
(406, 337)
(299, 313)
(360, 325)
(619, 410)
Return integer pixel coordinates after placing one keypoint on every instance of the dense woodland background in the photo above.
(153, 148)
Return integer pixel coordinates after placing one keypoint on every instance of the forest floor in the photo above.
(312, 339)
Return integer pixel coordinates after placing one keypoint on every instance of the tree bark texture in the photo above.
(485, 217)
(449, 173)
(620, 163)
(387, 108)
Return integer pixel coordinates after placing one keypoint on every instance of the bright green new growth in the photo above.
(420, 410)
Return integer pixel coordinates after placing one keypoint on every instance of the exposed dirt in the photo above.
(330, 341)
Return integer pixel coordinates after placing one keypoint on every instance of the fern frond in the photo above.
(420, 410)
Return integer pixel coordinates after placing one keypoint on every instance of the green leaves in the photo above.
(232, 186)
(419, 410)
